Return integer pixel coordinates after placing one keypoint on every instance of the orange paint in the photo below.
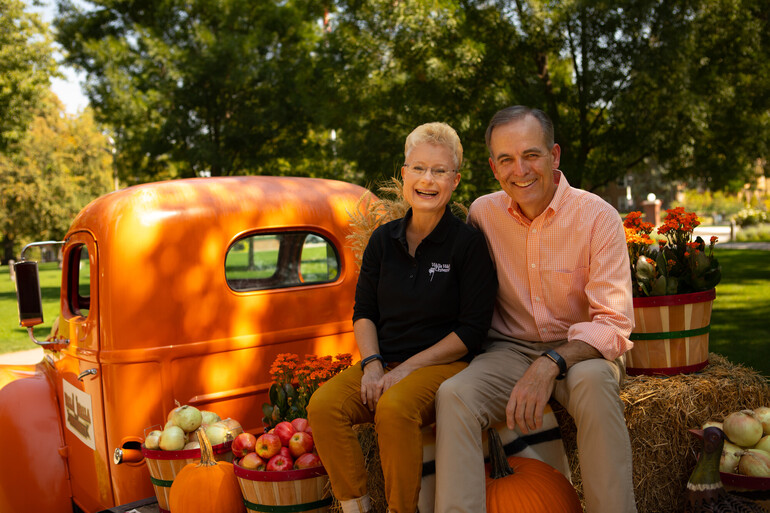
(158, 322)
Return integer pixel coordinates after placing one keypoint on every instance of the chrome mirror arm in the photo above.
(58, 342)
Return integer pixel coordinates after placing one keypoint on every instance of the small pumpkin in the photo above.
(206, 487)
(531, 485)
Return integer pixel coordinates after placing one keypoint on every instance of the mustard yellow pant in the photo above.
(400, 414)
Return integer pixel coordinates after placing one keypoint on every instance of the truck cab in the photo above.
(185, 291)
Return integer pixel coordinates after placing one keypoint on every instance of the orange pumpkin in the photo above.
(207, 487)
(531, 485)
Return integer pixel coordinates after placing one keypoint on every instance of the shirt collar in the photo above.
(556, 202)
(438, 234)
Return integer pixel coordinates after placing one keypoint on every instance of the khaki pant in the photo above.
(476, 398)
(400, 414)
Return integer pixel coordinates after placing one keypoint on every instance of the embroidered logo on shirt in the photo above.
(437, 268)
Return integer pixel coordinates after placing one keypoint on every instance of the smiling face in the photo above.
(427, 193)
(523, 164)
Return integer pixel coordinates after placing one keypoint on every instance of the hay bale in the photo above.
(659, 410)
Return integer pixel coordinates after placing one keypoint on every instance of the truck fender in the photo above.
(32, 443)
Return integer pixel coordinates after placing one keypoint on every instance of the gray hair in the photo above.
(517, 113)
(439, 134)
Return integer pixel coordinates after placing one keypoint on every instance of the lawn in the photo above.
(12, 337)
(738, 324)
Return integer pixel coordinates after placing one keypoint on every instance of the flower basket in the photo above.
(671, 334)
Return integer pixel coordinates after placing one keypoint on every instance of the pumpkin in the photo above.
(206, 487)
(531, 485)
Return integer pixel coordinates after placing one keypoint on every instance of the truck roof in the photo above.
(162, 248)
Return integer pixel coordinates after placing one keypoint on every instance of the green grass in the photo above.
(758, 233)
(739, 322)
(13, 337)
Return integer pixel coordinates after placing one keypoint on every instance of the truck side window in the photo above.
(80, 281)
(277, 260)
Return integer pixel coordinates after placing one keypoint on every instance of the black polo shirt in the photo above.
(449, 285)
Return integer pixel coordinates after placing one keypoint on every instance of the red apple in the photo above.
(284, 430)
(243, 444)
(286, 452)
(309, 429)
(300, 443)
(279, 462)
(268, 445)
(299, 424)
(252, 462)
(307, 460)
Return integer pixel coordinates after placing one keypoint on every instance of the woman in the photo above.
(423, 305)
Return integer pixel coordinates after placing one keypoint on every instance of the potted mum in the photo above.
(673, 281)
(294, 383)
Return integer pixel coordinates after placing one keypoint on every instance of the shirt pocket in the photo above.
(565, 293)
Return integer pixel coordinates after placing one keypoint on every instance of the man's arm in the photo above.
(604, 336)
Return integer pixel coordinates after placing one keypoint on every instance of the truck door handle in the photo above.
(87, 372)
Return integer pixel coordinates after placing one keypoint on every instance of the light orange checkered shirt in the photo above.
(563, 276)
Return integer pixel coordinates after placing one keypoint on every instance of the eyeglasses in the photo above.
(437, 172)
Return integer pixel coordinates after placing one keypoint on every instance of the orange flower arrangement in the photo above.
(679, 265)
(295, 382)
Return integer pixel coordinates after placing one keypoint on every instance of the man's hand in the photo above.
(530, 396)
(372, 385)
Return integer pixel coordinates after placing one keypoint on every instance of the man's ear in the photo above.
(556, 155)
(492, 165)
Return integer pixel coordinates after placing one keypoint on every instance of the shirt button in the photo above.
(534, 230)
(532, 266)
(537, 298)
(411, 275)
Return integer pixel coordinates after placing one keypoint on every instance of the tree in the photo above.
(62, 162)
(196, 87)
(629, 84)
(26, 66)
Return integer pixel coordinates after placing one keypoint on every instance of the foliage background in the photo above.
(331, 88)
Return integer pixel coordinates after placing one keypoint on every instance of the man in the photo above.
(560, 326)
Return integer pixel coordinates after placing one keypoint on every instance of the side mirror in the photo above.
(28, 293)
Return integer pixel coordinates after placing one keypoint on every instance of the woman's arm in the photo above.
(371, 382)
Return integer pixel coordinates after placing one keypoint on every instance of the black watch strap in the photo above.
(558, 360)
(371, 358)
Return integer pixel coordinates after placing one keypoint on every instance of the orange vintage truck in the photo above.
(182, 290)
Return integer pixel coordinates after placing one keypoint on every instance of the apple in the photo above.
(300, 443)
(268, 445)
(243, 444)
(307, 460)
(309, 429)
(252, 461)
(279, 462)
(299, 424)
(284, 430)
(286, 452)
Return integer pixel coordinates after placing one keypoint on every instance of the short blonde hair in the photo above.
(439, 134)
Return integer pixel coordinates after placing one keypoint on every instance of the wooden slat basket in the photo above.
(287, 491)
(671, 334)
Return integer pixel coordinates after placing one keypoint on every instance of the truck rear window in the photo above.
(278, 260)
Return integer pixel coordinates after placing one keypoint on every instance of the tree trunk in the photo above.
(7, 245)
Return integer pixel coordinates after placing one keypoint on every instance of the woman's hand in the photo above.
(372, 385)
(395, 375)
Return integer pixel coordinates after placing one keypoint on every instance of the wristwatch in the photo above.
(558, 360)
(371, 359)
